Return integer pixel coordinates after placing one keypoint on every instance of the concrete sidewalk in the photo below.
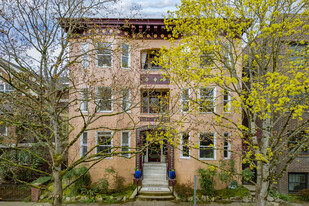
(139, 203)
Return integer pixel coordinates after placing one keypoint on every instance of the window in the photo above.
(154, 101)
(226, 146)
(227, 55)
(207, 100)
(206, 59)
(6, 88)
(184, 145)
(226, 101)
(185, 96)
(207, 146)
(84, 53)
(84, 100)
(104, 143)
(125, 56)
(148, 59)
(125, 144)
(298, 182)
(104, 101)
(298, 54)
(3, 130)
(296, 141)
(104, 54)
(126, 100)
(84, 144)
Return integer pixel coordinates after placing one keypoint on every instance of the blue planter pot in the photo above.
(137, 174)
(172, 174)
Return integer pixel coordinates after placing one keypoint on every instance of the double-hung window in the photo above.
(298, 55)
(297, 182)
(206, 60)
(104, 54)
(125, 144)
(84, 100)
(104, 101)
(226, 146)
(185, 99)
(125, 56)
(3, 130)
(185, 145)
(207, 146)
(126, 100)
(207, 100)
(104, 143)
(226, 101)
(227, 55)
(84, 53)
(84, 144)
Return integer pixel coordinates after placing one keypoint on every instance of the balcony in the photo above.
(148, 58)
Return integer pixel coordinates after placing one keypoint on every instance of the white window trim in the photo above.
(84, 52)
(112, 103)
(228, 147)
(129, 57)
(129, 102)
(6, 131)
(82, 144)
(82, 102)
(229, 101)
(97, 61)
(129, 144)
(96, 143)
(214, 147)
(214, 99)
(181, 147)
(181, 100)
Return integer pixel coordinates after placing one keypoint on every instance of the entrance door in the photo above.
(154, 152)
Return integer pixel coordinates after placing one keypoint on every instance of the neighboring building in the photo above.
(118, 74)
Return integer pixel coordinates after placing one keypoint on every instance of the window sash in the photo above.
(207, 146)
(104, 142)
(125, 56)
(185, 148)
(207, 100)
(226, 146)
(6, 88)
(126, 100)
(226, 101)
(84, 144)
(104, 54)
(84, 53)
(125, 144)
(297, 181)
(185, 97)
(104, 102)
(84, 99)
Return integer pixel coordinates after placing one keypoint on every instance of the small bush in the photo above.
(247, 175)
(101, 186)
(185, 190)
(83, 179)
(206, 176)
(304, 195)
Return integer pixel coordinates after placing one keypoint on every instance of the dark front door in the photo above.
(154, 152)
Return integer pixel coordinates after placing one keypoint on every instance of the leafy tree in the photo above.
(257, 52)
(36, 38)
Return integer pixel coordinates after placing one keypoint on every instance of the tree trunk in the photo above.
(262, 184)
(57, 194)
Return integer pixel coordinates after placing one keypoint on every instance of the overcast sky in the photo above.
(143, 8)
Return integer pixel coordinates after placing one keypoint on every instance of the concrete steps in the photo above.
(155, 184)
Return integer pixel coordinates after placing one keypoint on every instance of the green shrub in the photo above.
(82, 177)
(206, 176)
(247, 174)
(184, 190)
(101, 186)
